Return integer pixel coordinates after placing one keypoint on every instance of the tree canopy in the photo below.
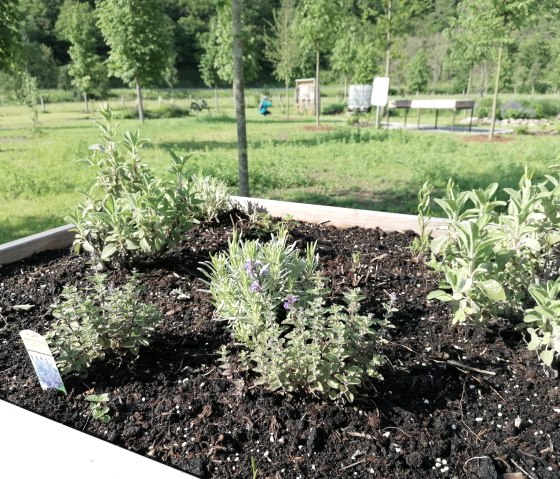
(189, 41)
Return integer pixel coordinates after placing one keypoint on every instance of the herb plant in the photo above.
(275, 305)
(497, 254)
(212, 195)
(543, 321)
(90, 323)
(99, 409)
(421, 244)
(128, 212)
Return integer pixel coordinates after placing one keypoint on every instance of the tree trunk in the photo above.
(496, 88)
(239, 93)
(317, 89)
(389, 39)
(469, 83)
(86, 102)
(140, 102)
(287, 99)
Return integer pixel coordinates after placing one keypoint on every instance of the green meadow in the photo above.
(340, 164)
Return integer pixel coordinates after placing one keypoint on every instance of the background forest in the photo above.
(424, 45)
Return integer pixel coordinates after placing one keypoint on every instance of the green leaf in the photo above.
(547, 356)
(459, 316)
(535, 340)
(88, 247)
(531, 243)
(438, 244)
(108, 251)
(493, 290)
(440, 295)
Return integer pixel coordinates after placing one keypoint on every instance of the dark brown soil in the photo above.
(429, 418)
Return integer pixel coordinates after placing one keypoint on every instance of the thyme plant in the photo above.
(99, 319)
(274, 303)
(212, 197)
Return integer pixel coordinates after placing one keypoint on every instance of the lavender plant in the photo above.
(129, 213)
(274, 303)
(90, 323)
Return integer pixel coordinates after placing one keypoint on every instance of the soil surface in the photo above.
(454, 402)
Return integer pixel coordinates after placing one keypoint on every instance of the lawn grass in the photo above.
(341, 165)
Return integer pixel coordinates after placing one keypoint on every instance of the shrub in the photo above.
(521, 130)
(90, 323)
(334, 109)
(274, 303)
(164, 111)
(128, 213)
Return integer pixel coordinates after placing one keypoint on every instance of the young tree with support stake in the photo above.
(74, 25)
(317, 27)
(139, 36)
(491, 25)
(282, 49)
(239, 94)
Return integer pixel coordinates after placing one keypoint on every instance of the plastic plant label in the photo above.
(42, 359)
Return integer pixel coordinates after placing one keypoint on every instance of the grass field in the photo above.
(41, 178)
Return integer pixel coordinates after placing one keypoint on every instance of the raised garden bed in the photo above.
(454, 402)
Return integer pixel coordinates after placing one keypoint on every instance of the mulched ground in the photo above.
(433, 416)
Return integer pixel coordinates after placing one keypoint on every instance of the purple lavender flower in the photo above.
(255, 287)
(289, 301)
(250, 267)
(264, 272)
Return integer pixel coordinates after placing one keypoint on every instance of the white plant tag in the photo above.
(42, 359)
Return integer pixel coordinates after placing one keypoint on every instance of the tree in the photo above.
(74, 26)
(139, 36)
(42, 51)
(419, 73)
(317, 27)
(491, 25)
(239, 93)
(282, 49)
(355, 54)
(217, 59)
(392, 19)
(9, 34)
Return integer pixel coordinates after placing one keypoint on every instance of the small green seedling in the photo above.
(98, 408)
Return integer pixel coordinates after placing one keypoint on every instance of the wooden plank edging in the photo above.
(337, 216)
(53, 239)
(61, 237)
